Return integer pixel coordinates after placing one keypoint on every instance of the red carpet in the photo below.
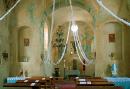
(66, 85)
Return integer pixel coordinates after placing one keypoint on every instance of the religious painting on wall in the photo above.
(26, 42)
(112, 37)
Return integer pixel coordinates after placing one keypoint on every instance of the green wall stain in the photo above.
(41, 26)
(41, 32)
(31, 8)
(87, 39)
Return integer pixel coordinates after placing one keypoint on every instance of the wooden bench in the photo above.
(32, 85)
(98, 87)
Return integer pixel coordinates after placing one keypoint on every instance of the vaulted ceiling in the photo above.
(9, 3)
(79, 14)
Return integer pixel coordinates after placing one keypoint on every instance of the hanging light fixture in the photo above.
(74, 28)
(48, 58)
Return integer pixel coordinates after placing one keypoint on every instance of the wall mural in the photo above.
(87, 39)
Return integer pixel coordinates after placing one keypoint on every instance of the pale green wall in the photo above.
(4, 46)
(127, 51)
(124, 12)
(121, 46)
(105, 48)
(28, 14)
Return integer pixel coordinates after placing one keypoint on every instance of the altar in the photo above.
(72, 73)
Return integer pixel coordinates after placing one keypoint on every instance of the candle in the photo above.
(64, 63)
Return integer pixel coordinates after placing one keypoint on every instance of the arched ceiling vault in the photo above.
(84, 11)
(63, 15)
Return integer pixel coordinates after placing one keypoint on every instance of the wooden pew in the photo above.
(32, 85)
(65, 84)
(89, 83)
(58, 78)
(94, 83)
(39, 82)
(98, 87)
(98, 80)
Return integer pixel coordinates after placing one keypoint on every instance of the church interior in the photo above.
(70, 40)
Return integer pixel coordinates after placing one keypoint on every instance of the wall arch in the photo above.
(25, 52)
(24, 42)
(60, 5)
(105, 46)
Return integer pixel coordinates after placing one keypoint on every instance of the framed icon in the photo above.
(26, 42)
(112, 37)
